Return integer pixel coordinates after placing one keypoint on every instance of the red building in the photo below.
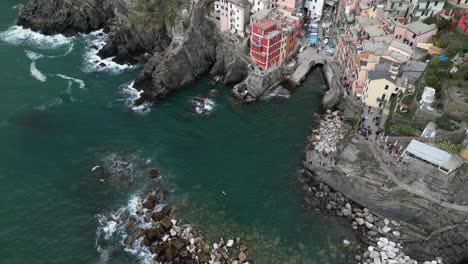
(273, 37)
(265, 44)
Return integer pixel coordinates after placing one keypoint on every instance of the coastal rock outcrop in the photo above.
(163, 239)
(191, 53)
(69, 18)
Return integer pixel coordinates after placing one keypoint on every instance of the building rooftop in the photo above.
(414, 66)
(374, 47)
(375, 31)
(240, 3)
(272, 34)
(266, 24)
(434, 155)
(260, 15)
(420, 28)
(379, 74)
(401, 46)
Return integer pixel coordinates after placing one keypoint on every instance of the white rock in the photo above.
(391, 243)
(386, 229)
(360, 221)
(215, 245)
(381, 244)
(374, 254)
(368, 225)
(346, 243)
(396, 233)
(230, 243)
(173, 232)
(386, 221)
(174, 221)
(383, 255)
(391, 254)
(165, 237)
(383, 239)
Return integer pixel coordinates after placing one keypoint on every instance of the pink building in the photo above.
(414, 33)
(224, 15)
(289, 5)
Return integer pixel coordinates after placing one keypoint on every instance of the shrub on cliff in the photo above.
(154, 14)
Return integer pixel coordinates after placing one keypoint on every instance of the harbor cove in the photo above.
(233, 132)
(234, 172)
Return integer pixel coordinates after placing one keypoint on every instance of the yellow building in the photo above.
(380, 86)
(284, 44)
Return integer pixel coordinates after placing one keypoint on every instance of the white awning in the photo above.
(434, 155)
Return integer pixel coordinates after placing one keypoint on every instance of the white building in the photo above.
(421, 9)
(313, 9)
(444, 161)
(430, 130)
(258, 5)
(234, 15)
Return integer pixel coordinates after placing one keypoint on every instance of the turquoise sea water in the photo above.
(52, 132)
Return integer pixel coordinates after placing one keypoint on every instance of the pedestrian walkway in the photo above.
(306, 60)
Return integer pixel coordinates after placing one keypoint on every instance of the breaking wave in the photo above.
(18, 35)
(80, 82)
(37, 74)
(132, 95)
(93, 63)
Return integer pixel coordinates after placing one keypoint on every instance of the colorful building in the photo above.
(413, 33)
(381, 85)
(422, 9)
(265, 43)
(314, 8)
(234, 16)
(273, 37)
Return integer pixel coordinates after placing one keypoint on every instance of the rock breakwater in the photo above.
(382, 235)
(146, 228)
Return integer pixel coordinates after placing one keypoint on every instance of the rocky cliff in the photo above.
(191, 53)
(176, 33)
(65, 17)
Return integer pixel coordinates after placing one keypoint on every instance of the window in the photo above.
(436, 2)
(414, 35)
(386, 87)
(383, 96)
(400, 4)
(392, 6)
(411, 44)
(396, 89)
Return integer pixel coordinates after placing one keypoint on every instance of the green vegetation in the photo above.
(449, 146)
(444, 123)
(403, 130)
(436, 40)
(154, 14)
(442, 24)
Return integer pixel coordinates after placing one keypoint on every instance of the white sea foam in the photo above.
(204, 107)
(54, 102)
(37, 73)
(133, 94)
(110, 226)
(69, 50)
(18, 35)
(33, 55)
(80, 82)
(93, 63)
